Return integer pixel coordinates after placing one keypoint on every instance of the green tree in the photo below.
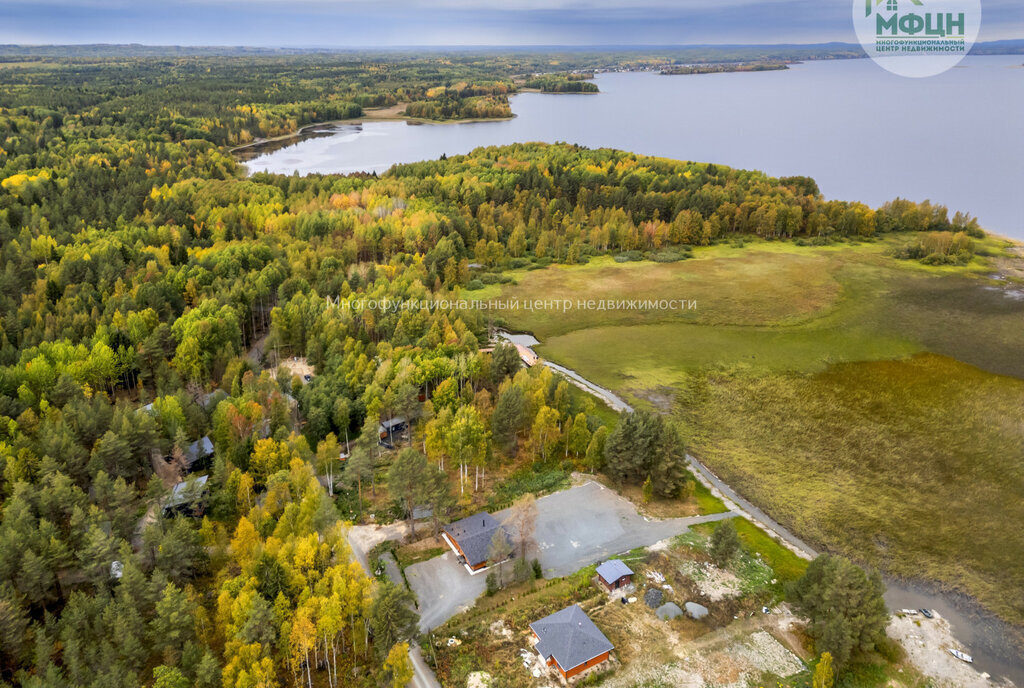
(843, 605)
(437, 494)
(498, 551)
(545, 430)
(393, 617)
(595, 449)
(509, 417)
(169, 677)
(327, 455)
(505, 361)
(466, 441)
(406, 483)
(579, 436)
(644, 444)
(362, 463)
(173, 624)
(725, 542)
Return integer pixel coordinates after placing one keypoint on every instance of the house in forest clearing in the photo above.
(198, 453)
(187, 498)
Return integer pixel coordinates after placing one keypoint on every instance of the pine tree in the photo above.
(725, 543)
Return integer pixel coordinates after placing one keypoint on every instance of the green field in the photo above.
(874, 405)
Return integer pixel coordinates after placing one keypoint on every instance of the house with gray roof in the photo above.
(613, 574)
(198, 452)
(187, 498)
(569, 641)
(471, 539)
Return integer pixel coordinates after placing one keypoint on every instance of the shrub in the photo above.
(474, 285)
(492, 584)
(538, 572)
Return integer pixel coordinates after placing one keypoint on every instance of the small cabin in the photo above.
(613, 574)
(389, 428)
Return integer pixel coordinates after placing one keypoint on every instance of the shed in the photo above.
(570, 641)
(387, 428)
(614, 574)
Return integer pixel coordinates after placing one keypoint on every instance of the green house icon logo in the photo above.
(890, 5)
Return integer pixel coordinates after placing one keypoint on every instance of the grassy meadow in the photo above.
(874, 405)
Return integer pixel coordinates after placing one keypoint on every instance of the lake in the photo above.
(864, 134)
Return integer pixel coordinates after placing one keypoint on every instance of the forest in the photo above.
(150, 293)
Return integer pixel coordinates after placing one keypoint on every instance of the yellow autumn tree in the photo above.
(398, 665)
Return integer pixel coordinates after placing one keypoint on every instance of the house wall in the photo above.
(620, 583)
(583, 667)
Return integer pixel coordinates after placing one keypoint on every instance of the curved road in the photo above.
(749, 510)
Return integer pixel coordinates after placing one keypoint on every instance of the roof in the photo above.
(199, 449)
(570, 637)
(180, 493)
(474, 534)
(393, 423)
(612, 570)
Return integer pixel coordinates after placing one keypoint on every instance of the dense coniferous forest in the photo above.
(149, 290)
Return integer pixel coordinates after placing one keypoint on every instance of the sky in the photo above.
(392, 23)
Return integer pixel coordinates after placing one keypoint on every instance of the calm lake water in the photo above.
(863, 133)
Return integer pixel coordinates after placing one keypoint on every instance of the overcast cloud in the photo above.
(359, 23)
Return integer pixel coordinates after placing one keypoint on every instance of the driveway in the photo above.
(443, 588)
(575, 528)
(363, 538)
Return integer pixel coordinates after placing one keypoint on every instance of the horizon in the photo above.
(568, 47)
(358, 24)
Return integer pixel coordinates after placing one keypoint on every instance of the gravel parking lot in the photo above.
(575, 528)
(443, 588)
(589, 523)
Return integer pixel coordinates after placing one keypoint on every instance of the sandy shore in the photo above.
(927, 642)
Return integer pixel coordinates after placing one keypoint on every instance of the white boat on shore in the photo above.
(963, 657)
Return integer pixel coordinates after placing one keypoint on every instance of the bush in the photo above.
(492, 584)
(528, 479)
(889, 649)
(474, 285)
(670, 256)
(521, 570)
(538, 572)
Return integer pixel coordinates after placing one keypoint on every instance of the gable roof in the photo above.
(570, 637)
(474, 534)
(199, 449)
(612, 570)
(180, 494)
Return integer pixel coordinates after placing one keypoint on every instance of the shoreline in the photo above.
(416, 121)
